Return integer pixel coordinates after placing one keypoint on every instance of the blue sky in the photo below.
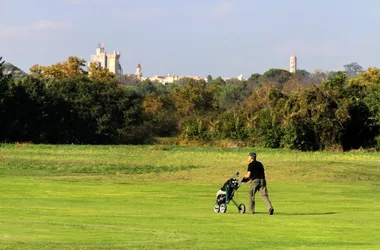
(194, 37)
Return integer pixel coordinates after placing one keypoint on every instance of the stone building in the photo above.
(111, 61)
(171, 78)
(293, 64)
(138, 71)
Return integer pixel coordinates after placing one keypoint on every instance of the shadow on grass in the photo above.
(295, 214)
(311, 213)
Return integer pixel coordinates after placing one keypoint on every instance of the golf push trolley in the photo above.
(226, 194)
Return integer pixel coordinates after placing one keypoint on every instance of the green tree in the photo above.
(254, 77)
(369, 80)
(146, 87)
(194, 98)
(352, 69)
(159, 114)
(90, 112)
(305, 75)
(275, 77)
(231, 95)
(37, 71)
(209, 78)
(318, 77)
(253, 82)
(332, 74)
(230, 125)
(373, 101)
(100, 74)
(127, 80)
(217, 81)
(1, 68)
(182, 81)
(4, 103)
(299, 81)
(69, 69)
(337, 83)
(263, 119)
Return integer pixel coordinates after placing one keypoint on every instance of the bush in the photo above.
(266, 129)
(299, 136)
(76, 111)
(377, 145)
(195, 128)
(229, 125)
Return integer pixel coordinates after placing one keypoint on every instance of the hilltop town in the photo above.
(111, 61)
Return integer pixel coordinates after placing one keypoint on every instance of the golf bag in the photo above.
(226, 194)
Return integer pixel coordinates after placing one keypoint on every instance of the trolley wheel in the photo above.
(223, 208)
(216, 208)
(241, 208)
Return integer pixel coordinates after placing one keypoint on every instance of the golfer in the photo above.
(256, 175)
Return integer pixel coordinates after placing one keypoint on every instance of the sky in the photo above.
(194, 37)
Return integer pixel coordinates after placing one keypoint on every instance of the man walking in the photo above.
(256, 174)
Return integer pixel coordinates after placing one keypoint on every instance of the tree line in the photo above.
(63, 103)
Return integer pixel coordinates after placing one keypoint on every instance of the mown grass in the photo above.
(161, 197)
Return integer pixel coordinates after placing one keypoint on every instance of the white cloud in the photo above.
(23, 30)
(221, 11)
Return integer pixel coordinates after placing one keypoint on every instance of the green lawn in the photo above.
(161, 197)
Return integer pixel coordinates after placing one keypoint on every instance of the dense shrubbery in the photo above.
(277, 109)
(69, 111)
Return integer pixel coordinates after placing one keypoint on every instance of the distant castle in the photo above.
(112, 63)
(109, 61)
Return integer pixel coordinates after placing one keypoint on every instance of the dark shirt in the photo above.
(257, 170)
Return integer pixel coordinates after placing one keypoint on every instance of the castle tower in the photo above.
(100, 58)
(113, 63)
(100, 49)
(109, 61)
(293, 64)
(138, 71)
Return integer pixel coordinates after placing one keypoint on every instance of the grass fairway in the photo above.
(161, 197)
